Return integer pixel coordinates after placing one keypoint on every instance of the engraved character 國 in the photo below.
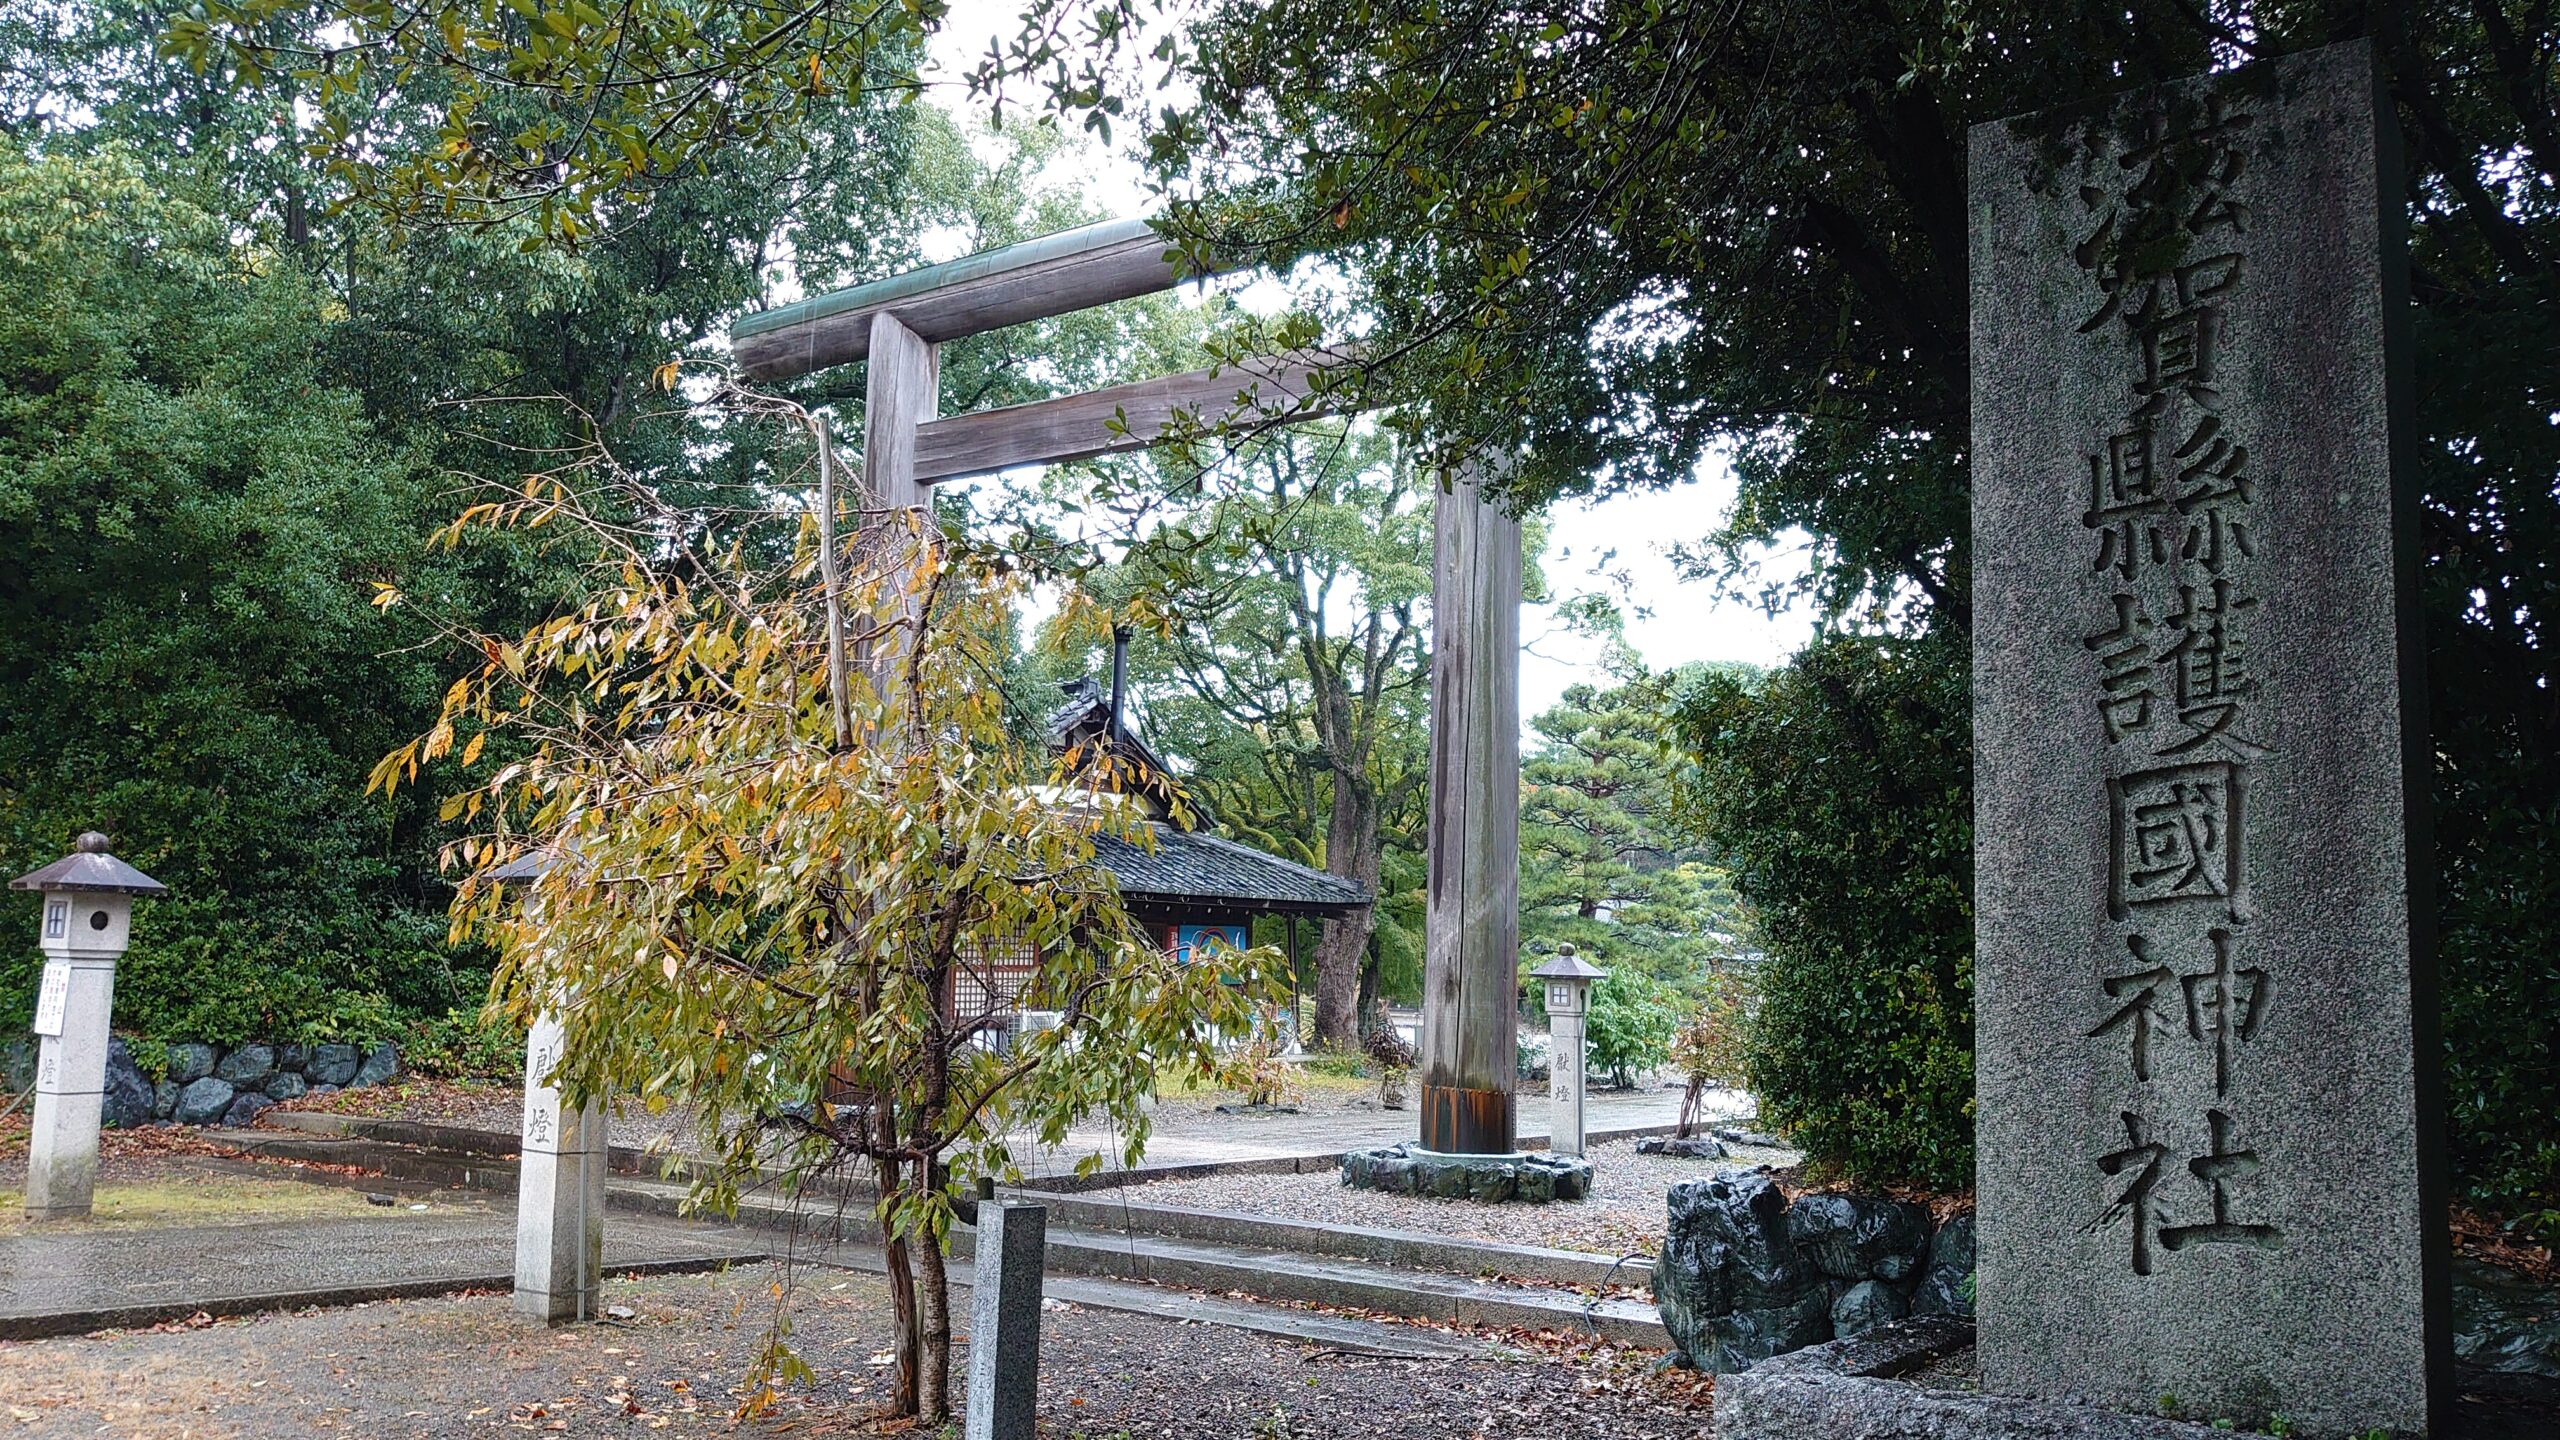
(2176, 837)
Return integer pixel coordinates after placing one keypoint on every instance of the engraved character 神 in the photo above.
(2224, 1006)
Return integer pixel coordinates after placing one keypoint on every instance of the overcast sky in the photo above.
(1619, 547)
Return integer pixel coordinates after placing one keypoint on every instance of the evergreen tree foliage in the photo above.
(189, 511)
(1605, 862)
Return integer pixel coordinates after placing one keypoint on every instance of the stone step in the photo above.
(1260, 1271)
(1416, 1276)
(1414, 1294)
(1406, 1249)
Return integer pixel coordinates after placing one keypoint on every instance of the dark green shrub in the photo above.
(461, 1045)
(1839, 792)
(1629, 1029)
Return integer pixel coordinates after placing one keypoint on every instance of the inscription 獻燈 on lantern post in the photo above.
(86, 921)
(1568, 980)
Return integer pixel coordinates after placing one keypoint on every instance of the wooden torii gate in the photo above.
(1468, 1058)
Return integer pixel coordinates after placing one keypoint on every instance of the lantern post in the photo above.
(1568, 980)
(86, 922)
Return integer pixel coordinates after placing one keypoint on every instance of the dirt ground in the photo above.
(468, 1366)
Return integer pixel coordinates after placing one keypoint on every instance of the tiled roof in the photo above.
(1189, 866)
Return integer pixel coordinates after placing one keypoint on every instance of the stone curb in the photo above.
(1218, 1268)
(131, 1317)
(1213, 1251)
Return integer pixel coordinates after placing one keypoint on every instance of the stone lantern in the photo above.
(1568, 980)
(88, 917)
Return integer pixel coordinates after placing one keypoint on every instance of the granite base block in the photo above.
(1532, 1178)
(1857, 1387)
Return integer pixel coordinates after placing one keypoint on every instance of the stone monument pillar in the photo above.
(560, 1180)
(1470, 1056)
(2210, 1154)
(86, 920)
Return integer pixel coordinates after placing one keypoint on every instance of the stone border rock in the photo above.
(208, 1085)
(1532, 1178)
(1745, 1273)
(1852, 1388)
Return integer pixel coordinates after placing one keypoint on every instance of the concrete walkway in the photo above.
(61, 1279)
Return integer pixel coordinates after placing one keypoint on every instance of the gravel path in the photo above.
(1623, 1215)
(467, 1366)
(1334, 1113)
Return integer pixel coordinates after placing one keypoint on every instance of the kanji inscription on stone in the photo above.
(2202, 984)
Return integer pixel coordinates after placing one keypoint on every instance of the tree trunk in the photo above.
(902, 1297)
(900, 1260)
(933, 1294)
(1350, 851)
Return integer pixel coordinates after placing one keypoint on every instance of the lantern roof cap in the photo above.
(90, 867)
(1568, 966)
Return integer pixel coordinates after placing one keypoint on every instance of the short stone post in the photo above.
(1568, 979)
(1004, 1321)
(87, 918)
(559, 1190)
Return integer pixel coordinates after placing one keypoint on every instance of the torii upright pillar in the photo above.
(1471, 987)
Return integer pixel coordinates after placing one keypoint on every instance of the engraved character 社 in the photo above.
(2218, 1171)
(2139, 1163)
